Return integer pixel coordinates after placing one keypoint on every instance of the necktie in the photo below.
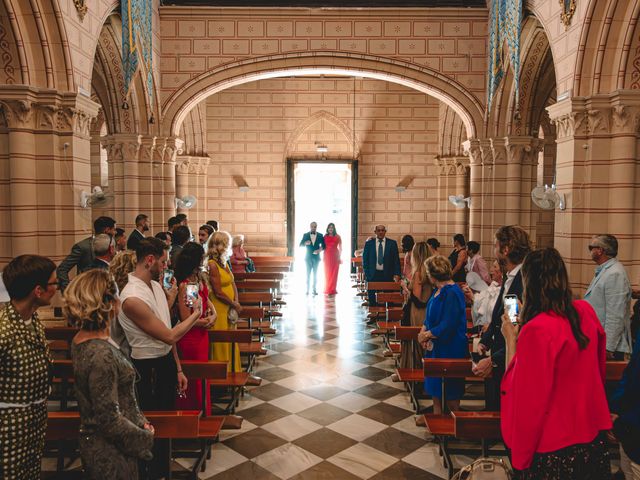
(380, 253)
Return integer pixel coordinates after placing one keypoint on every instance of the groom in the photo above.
(314, 243)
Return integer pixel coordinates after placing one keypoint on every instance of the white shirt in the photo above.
(380, 266)
(142, 345)
(510, 277)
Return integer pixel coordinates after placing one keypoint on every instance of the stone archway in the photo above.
(424, 80)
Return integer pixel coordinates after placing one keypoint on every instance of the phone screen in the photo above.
(166, 278)
(511, 307)
(192, 293)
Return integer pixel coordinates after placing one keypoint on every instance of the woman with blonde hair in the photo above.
(223, 294)
(444, 333)
(239, 259)
(418, 293)
(121, 266)
(114, 434)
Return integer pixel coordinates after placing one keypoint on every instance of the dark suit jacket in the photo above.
(97, 263)
(391, 265)
(314, 246)
(81, 257)
(493, 338)
(134, 239)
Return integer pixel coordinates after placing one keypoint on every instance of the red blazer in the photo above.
(552, 392)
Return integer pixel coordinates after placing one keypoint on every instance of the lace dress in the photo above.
(112, 437)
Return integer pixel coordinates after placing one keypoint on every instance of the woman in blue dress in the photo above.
(444, 333)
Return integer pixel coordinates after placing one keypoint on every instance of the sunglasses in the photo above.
(591, 247)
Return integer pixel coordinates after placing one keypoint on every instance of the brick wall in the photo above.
(253, 128)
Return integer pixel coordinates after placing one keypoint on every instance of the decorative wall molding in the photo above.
(81, 7)
(567, 11)
(192, 165)
(452, 165)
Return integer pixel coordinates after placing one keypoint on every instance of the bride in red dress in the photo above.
(332, 252)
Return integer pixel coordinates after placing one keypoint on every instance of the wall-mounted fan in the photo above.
(547, 198)
(186, 202)
(97, 198)
(460, 201)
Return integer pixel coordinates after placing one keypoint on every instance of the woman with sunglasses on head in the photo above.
(31, 282)
(114, 434)
(554, 409)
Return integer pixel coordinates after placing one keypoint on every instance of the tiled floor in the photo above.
(326, 408)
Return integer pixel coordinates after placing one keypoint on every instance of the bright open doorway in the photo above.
(321, 192)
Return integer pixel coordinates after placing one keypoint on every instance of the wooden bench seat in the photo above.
(476, 425)
(384, 286)
(250, 276)
(233, 379)
(388, 326)
(410, 374)
(258, 285)
(440, 424)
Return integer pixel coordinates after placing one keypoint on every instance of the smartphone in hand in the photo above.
(167, 278)
(191, 293)
(512, 308)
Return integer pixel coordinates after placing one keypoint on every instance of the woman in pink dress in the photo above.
(238, 259)
(332, 253)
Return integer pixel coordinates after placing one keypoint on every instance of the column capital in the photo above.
(192, 165)
(122, 147)
(452, 164)
(523, 149)
(39, 109)
(617, 112)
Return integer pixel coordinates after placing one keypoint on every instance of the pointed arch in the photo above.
(341, 126)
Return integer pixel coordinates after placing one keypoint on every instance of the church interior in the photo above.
(440, 117)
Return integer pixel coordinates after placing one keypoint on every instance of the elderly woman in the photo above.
(31, 282)
(444, 333)
(239, 259)
(114, 434)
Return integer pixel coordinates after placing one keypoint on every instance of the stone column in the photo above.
(191, 179)
(453, 180)
(123, 157)
(172, 147)
(598, 172)
(472, 149)
(522, 171)
(48, 165)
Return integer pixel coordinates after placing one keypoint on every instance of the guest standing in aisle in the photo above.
(332, 254)
(380, 260)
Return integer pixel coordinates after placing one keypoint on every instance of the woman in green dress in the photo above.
(31, 282)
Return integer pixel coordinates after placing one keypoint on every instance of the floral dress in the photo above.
(24, 388)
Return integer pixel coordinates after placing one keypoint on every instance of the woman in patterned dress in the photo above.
(24, 366)
(114, 434)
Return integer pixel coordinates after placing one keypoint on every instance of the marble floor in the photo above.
(327, 407)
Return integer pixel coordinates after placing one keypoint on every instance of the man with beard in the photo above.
(146, 322)
(142, 225)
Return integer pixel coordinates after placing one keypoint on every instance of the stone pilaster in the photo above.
(453, 179)
(191, 179)
(598, 172)
(46, 146)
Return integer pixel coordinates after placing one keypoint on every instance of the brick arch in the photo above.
(338, 124)
(422, 79)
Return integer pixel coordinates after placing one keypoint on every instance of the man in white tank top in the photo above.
(146, 322)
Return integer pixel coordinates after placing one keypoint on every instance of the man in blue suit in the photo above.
(380, 260)
(314, 244)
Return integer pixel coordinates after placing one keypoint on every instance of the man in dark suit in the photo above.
(512, 245)
(380, 260)
(104, 249)
(81, 255)
(142, 225)
(314, 244)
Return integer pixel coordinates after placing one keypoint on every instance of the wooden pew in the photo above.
(259, 299)
(253, 319)
(413, 378)
(241, 277)
(258, 286)
(241, 339)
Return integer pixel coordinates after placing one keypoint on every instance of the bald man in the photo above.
(380, 260)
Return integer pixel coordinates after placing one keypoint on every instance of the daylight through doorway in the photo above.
(321, 194)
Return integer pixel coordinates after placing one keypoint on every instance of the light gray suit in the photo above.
(610, 296)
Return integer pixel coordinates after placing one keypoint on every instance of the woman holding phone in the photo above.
(195, 344)
(554, 411)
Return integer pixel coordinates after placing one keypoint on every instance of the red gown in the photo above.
(331, 263)
(195, 346)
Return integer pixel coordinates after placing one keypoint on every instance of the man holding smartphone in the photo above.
(511, 246)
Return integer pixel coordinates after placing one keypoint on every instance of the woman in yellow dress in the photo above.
(223, 294)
